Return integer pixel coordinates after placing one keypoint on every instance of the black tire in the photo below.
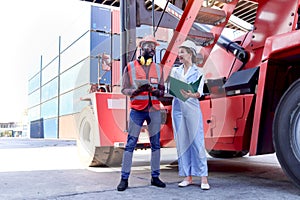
(286, 132)
(88, 143)
(226, 154)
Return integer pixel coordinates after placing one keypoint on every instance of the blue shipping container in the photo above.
(101, 19)
(100, 43)
(105, 75)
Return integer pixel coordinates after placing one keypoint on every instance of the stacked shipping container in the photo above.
(66, 71)
(71, 65)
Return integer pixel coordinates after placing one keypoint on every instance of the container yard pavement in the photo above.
(34, 169)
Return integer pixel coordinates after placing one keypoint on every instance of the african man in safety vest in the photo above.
(143, 82)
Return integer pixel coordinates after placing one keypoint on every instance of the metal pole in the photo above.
(123, 45)
(58, 85)
(40, 88)
(153, 21)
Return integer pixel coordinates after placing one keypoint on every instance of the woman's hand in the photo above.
(189, 94)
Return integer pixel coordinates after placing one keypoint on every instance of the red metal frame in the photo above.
(217, 30)
(111, 113)
(283, 45)
(225, 123)
(273, 32)
(184, 25)
(111, 118)
(272, 19)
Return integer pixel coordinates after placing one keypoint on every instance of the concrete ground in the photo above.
(50, 169)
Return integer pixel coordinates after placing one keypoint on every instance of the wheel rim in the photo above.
(86, 135)
(86, 131)
(295, 132)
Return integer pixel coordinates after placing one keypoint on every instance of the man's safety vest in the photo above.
(136, 72)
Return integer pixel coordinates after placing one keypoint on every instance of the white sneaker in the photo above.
(205, 186)
(184, 183)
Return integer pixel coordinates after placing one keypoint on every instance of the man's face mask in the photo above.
(148, 49)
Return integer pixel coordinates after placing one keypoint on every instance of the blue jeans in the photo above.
(137, 119)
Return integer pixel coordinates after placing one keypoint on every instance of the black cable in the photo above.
(161, 16)
(133, 56)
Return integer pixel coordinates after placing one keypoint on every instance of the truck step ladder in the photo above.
(203, 25)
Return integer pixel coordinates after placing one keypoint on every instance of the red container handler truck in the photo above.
(252, 101)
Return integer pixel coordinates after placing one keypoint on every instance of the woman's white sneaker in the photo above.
(184, 183)
(205, 186)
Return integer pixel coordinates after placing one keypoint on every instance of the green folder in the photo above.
(195, 85)
(177, 85)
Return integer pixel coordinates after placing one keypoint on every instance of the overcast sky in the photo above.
(27, 26)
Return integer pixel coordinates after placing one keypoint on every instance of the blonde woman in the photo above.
(187, 119)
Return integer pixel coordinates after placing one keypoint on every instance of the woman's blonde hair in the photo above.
(190, 51)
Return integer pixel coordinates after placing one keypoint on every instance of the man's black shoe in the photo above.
(123, 185)
(158, 183)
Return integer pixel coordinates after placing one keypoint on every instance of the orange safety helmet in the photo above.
(148, 38)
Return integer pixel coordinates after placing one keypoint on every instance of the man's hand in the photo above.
(156, 93)
(142, 88)
(145, 87)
